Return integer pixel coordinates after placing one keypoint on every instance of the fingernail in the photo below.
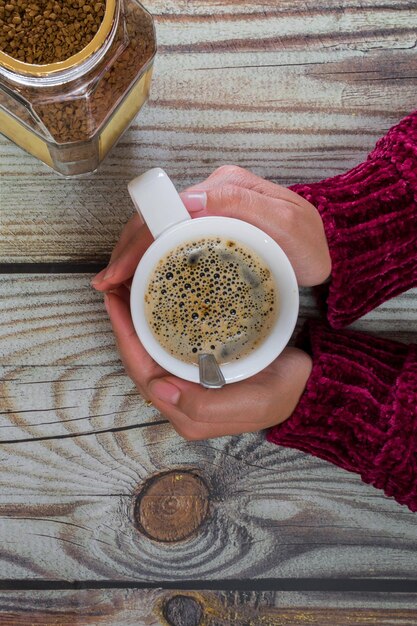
(194, 200)
(99, 277)
(109, 273)
(95, 280)
(107, 303)
(105, 274)
(165, 391)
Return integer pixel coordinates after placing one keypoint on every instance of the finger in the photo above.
(129, 231)
(123, 268)
(239, 402)
(249, 401)
(192, 429)
(138, 363)
(240, 177)
(123, 292)
(284, 221)
(270, 215)
(258, 402)
(244, 402)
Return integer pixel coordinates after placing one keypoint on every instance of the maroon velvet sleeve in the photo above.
(370, 218)
(359, 409)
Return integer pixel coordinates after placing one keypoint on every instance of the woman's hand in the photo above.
(231, 191)
(261, 401)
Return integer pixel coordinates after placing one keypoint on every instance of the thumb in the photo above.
(268, 214)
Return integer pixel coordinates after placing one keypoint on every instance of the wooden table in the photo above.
(109, 517)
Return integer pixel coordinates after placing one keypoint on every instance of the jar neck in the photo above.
(72, 68)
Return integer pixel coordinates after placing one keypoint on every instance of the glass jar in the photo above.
(70, 113)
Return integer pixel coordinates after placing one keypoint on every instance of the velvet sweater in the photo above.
(359, 408)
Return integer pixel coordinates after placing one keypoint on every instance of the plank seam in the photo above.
(261, 584)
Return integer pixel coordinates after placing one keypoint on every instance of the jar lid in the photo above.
(47, 69)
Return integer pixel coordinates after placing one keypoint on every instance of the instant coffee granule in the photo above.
(46, 31)
(71, 120)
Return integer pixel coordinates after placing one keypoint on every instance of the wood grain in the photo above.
(292, 91)
(155, 607)
(59, 493)
(172, 506)
(65, 401)
(71, 501)
(67, 512)
(59, 320)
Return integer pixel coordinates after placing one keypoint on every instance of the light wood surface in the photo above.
(60, 320)
(294, 91)
(79, 446)
(95, 485)
(272, 513)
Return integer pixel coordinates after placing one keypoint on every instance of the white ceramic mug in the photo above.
(160, 205)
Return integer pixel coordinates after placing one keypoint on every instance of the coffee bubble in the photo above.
(223, 300)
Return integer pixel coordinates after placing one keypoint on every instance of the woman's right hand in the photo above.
(231, 191)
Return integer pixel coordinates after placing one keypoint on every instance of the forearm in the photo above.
(359, 409)
(370, 219)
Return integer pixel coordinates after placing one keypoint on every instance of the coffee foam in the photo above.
(211, 295)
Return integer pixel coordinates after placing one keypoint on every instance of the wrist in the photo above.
(297, 367)
(358, 408)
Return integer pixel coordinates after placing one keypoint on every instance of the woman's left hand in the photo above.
(259, 402)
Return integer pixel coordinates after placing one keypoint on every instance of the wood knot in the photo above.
(183, 611)
(172, 506)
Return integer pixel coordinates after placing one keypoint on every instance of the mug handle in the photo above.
(157, 201)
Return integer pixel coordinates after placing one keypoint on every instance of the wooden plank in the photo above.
(60, 320)
(82, 507)
(50, 320)
(65, 401)
(303, 529)
(43, 316)
(156, 607)
(70, 507)
(78, 398)
(63, 379)
(300, 92)
(70, 510)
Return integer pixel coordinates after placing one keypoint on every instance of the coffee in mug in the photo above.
(212, 284)
(211, 295)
